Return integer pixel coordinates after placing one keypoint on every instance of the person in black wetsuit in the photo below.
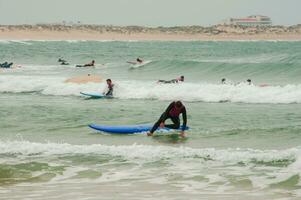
(91, 64)
(62, 61)
(223, 81)
(110, 88)
(177, 80)
(6, 65)
(172, 112)
(139, 60)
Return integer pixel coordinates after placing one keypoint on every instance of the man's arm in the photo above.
(168, 109)
(184, 115)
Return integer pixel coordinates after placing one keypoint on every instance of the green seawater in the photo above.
(244, 141)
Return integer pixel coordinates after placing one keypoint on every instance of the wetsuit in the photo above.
(171, 81)
(110, 91)
(6, 65)
(172, 112)
(63, 62)
(89, 65)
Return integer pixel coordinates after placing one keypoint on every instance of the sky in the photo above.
(146, 12)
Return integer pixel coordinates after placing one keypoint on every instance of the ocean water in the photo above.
(244, 141)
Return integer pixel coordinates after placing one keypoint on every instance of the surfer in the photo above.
(223, 81)
(172, 112)
(177, 80)
(6, 65)
(139, 60)
(110, 88)
(91, 64)
(62, 61)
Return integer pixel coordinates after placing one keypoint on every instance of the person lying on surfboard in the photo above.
(177, 80)
(110, 88)
(172, 112)
(91, 64)
(6, 65)
(138, 61)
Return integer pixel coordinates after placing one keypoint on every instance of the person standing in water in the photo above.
(172, 112)
(110, 88)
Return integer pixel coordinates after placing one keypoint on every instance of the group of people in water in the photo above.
(92, 63)
(64, 62)
(224, 82)
(172, 112)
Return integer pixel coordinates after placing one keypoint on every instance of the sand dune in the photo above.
(97, 32)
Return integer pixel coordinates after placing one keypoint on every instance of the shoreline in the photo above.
(88, 36)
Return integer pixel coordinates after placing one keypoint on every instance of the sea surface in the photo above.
(244, 141)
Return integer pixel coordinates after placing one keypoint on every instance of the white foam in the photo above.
(256, 59)
(5, 41)
(147, 153)
(26, 42)
(204, 92)
(210, 92)
(136, 66)
(218, 168)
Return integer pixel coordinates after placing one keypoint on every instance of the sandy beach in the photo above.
(149, 34)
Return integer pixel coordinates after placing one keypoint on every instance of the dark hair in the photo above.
(182, 77)
(223, 79)
(109, 80)
(178, 104)
(249, 80)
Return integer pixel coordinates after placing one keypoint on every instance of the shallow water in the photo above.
(244, 140)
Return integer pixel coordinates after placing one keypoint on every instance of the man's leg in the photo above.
(176, 123)
(157, 124)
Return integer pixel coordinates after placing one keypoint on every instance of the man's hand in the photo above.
(162, 125)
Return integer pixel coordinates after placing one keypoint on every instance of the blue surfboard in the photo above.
(95, 95)
(131, 129)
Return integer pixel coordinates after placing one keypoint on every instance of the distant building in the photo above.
(254, 20)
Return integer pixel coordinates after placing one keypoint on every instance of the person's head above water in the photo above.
(181, 78)
(109, 81)
(249, 81)
(178, 104)
(93, 61)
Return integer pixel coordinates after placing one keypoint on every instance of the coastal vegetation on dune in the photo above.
(176, 30)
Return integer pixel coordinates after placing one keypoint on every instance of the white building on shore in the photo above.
(254, 20)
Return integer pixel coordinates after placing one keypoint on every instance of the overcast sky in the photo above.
(146, 12)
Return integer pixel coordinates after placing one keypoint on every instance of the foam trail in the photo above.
(204, 92)
(145, 152)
